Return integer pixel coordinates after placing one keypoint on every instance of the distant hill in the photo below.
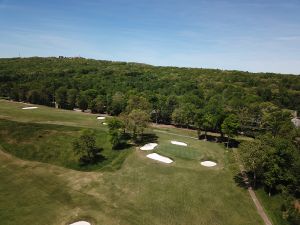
(111, 84)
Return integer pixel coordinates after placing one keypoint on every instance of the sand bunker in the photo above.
(104, 123)
(148, 147)
(178, 143)
(100, 118)
(31, 107)
(208, 163)
(160, 158)
(81, 223)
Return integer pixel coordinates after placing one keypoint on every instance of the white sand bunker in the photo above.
(31, 107)
(178, 143)
(100, 118)
(160, 158)
(81, 223)
(148, 147)
(208, 163)
(104, 123)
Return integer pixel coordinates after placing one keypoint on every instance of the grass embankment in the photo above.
(141, 192)
(272, 206)
(53, 144)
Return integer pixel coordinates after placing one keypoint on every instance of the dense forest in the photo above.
(259, 105)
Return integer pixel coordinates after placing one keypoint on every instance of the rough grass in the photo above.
(141, 192)
(272, 206)
(53, 144)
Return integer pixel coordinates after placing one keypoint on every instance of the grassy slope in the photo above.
(13, 111)
(53, 144)
(141, 192)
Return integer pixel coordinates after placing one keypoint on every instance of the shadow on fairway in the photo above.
(239, 180)
(97, 158)
(212, 138)
(233, 143)
(147, 138)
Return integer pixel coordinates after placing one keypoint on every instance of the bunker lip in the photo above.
(159, 158)
(148, 147)
(30, 107)
(208, 163)
(178, 143)
(80, 223)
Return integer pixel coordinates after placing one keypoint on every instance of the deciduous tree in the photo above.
(230, 127)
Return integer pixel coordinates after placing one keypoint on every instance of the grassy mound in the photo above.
(53, 144)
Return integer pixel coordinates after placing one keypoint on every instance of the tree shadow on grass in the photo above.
(211, 138)
(97, 157)
(239, 179)
(123, 145)
(146, 138)
(232, 144)
(220, 139)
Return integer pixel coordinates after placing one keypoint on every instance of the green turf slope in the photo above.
(140, 192)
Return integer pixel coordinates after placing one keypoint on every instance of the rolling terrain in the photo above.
(38, 187)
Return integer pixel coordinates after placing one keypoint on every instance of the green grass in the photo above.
(140, 192)
(272, 206)
(46, 115)
(196, 150)
(53, 144)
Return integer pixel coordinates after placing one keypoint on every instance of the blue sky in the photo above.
(256, 35)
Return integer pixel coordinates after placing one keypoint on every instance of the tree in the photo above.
(98, 105)
(85, 147)
(280, 163)
(230, 126)
(115, 127)
(165, 108)
(274, 161)
(184, 115)
(138, 102)
(215, 109)
(274, 120)
(207, 123)
(138, 121)
(33, 96)
(118, 104)
(72, 98)
(265, 93)
(153, 100)
(198, 122)
(61, 97)
(90, 95)
(253, 154)
(178, 117)
(82, 102)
